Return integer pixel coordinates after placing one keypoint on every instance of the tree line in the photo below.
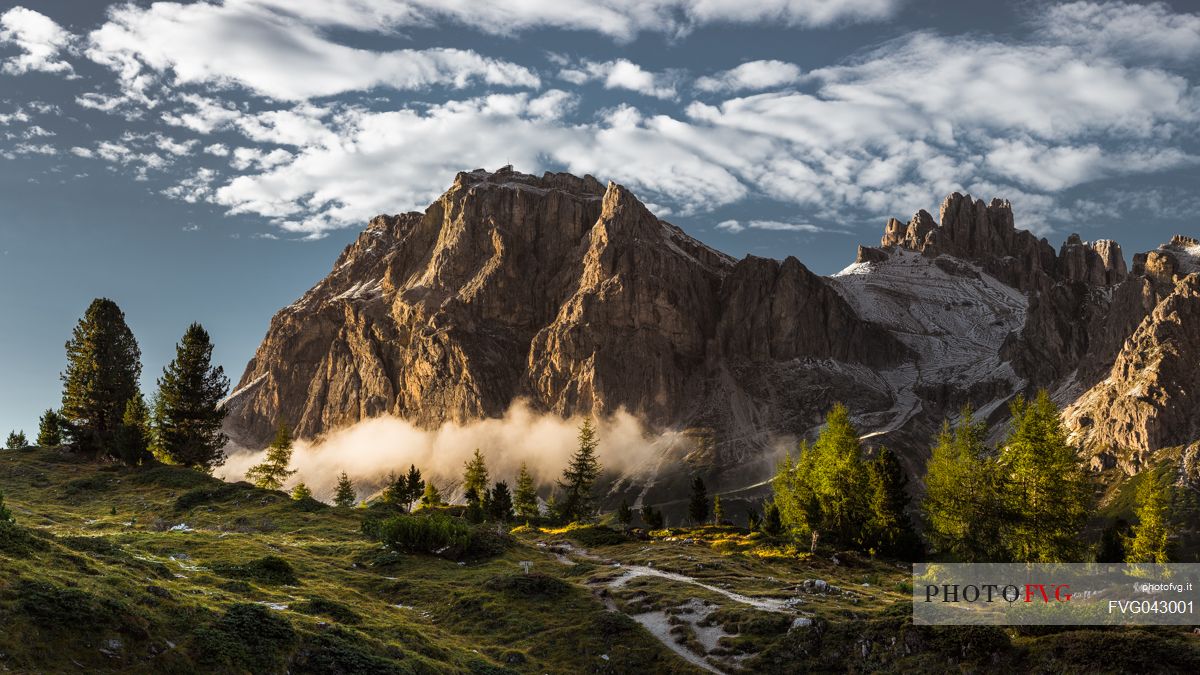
(104, 414)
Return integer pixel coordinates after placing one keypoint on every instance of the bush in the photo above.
(247, 638)
(596, 535)
(328, 608)
(438, 535)
(338, 650)
(270, 569)
(529, 585)
(203, 495)
(171, 476)
(97, 483)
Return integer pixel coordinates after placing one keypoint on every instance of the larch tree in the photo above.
(188, 412)
(1152, 533)
(103, 367)
(432, 496)
(962, 508)
(718, 513)
(525, 499)
(577, 501)
(273, 471)
(301, 492)
(475, 479)
(1045, 492)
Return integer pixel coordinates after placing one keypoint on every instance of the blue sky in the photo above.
(207, 161)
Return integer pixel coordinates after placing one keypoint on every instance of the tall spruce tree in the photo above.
(1045, 492)
(962, 507)
(525, 500)
(50, 429)
(577, 502)
(344, 494)
(414, 486)
(103, 367)
(1151, 534)
(892, 532)
(188, 412)
(475, 479)
(132, 440)
(273, 472)
(698, 503)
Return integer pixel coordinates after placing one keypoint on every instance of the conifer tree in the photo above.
(414, 486)
(16, 440)
(1151, 534)
(652, 518)
(825, 490)
(432, 496)
(718, 514)
(344, 494)
(698, 504)
(525, 499)
(475, 479)
(188, 412)
(624, 513)
(301, 492)
(395, 492)
(772, 522)
(579, 477)
(1112, 542)
(962, 508)
(892, 531)
(132, 440)
(103, 367)
(500, 503)
(50, 431)
(273, 471)
(1045, 491)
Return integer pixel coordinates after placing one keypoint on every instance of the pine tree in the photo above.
(301, 492)
(432, 496)
(525, 499)
(579, 477)
(718, 514)
(50, 431)
(475, 479)
(624, 513)
(103, 367)
(344, 494)
(188, 412)
(962, 508)
(132, 440)
(414, 486)
(274, 471)
(1151, 534)
(16, 440)
(892, 531)
(698, 504)
(1045, 491)
(500, 503)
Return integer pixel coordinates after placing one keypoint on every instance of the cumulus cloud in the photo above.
(752, 75)
(622, 74)
(270, 53)
(1138, 30)
(40, 40)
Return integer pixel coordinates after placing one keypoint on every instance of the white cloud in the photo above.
(246, 158)
(193, 189)
(205, 115)
(623, 74)
(731, 226)
(752, 75)
(1140, 30)
(217, 149)
(619, 19)
(735, 226)
(40, 39)
(273, 54)
(1054, 168)
(173, 146)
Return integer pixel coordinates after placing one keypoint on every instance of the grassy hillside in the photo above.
(162, 569)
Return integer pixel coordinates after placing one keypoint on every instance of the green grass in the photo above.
(162, 569)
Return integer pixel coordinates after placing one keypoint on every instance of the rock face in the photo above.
(571, 296)
(553, 289)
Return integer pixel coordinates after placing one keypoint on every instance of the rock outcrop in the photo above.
(572, 296)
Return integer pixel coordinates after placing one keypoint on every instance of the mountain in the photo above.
(571, 295)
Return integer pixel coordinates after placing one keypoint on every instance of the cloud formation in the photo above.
(752, 75)
(40, 40)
